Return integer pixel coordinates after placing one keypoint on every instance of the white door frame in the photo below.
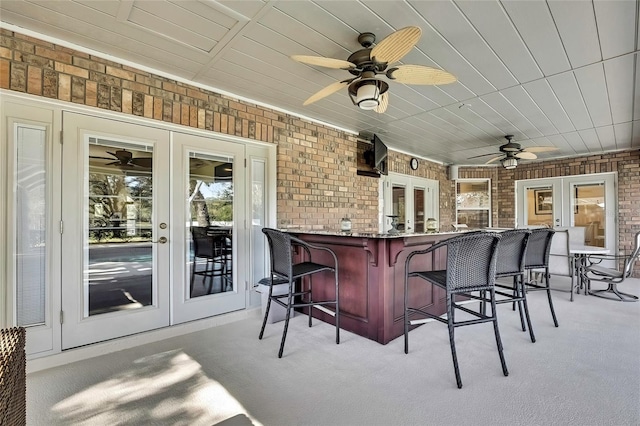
(184, 307)
(431, 199)
(45, 340)
(563, 201)
(79, 328)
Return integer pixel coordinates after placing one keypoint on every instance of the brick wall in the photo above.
(317, 181)
(626, 163)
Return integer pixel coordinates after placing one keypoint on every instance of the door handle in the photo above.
(161, 240)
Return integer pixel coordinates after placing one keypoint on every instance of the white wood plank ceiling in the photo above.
(552, 73)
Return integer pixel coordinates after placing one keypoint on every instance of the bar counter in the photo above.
(371, 270)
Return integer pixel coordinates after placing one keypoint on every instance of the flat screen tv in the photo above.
(379, 156)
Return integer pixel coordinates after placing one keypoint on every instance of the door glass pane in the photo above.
(418, 206)
(588, 211)
(30, 224)
(258, 219)
(119, 205)
(210, 224)
(398, 202)
(540, 206)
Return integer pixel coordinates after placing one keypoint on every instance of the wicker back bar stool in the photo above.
(284, 270)
(471, 273)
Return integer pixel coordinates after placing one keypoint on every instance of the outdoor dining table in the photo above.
(581, 253)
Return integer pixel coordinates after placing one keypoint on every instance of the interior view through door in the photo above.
(582, 201)
(208, 182)
(412, 205)
(115, 214)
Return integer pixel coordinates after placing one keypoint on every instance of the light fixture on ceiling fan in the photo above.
(510, 162)
(366, 90)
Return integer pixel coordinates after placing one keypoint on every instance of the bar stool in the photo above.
(471, 268)
(284, 270)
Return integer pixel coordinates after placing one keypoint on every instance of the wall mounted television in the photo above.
(379, 156)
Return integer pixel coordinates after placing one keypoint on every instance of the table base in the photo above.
(612, 293)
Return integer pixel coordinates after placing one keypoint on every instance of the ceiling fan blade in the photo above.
(540, 149)
(526, 155)
(101, 158)
(338, 64)
(494, 159)
(483, 155)
(145, 162)
(384, 103)
(122, 154)
(330, 89)
(393, 47)
(420, 74)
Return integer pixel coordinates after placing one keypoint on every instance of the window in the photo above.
(473, 203)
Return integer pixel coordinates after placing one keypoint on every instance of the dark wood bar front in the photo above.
(371, 274)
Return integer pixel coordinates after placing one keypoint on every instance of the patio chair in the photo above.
(613, 277)
(471, 268)
(512, 250)
(284, 270)
(213, 248)
(537, 261)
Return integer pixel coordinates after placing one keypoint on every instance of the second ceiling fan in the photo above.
(366, 90)
(512, 151)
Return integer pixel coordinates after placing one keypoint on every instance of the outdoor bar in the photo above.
(371, 270)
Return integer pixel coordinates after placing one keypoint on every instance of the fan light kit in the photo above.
(512, 152)
(366, 90)
(510, 163)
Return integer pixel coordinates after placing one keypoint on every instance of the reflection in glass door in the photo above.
(209, 190)
(589, 203)
(585, 201)
(118, 272)
(210, 225)
(418, 210)
(540, 206)
(398, 207)
(115, 275)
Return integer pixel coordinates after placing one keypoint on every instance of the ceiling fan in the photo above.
(124, 158)
(366, 90)
(512, 152)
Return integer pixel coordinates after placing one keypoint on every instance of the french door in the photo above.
(587, 201)
(99, 214)
(209, 187)
(116, 229)
(411, 201)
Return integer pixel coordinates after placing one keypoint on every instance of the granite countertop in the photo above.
(367, 234)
